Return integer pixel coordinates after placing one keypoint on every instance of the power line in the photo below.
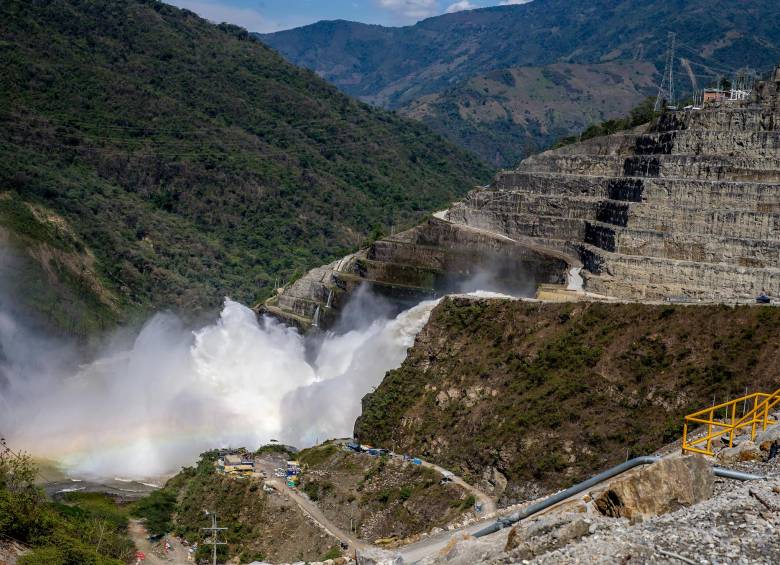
(214, 540)
(666, 89)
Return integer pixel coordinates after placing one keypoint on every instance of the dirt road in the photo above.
(310, 508)
(488, 504)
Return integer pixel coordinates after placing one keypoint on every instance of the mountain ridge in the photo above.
(440, 56)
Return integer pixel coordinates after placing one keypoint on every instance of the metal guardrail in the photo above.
(593, 481)
(722, 419)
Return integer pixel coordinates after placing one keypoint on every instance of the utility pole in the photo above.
(666, 90)
(214, 534)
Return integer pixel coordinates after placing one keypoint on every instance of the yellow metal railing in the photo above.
(722, 419)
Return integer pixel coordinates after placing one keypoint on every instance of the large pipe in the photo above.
(591, 482)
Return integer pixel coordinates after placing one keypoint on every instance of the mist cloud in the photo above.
(151, 402)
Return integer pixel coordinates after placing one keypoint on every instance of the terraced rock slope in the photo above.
(688, 206)
(684, 208)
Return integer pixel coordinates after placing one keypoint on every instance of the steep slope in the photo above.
(508, 114)
(188, 160)
(529, 397)
(380, 497)
(260, 525)
(465, 73)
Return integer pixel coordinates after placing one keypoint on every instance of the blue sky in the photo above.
(274, 15)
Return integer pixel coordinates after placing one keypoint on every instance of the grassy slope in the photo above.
(551, 393)
(509, 114)
(384, 497)
(192, 161)
(82, 529)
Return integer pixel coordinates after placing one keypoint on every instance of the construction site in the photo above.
(682, 211)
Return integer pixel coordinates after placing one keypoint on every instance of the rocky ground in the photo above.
(739, 524)
(732, 522)
(10, 551)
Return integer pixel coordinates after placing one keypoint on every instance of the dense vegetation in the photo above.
(476, 391)
(508, 114)
(83, 529)
(188, 161)
(442, 63)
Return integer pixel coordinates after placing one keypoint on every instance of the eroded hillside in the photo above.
(527, 397)
(379, 497)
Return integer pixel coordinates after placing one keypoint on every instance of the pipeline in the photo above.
(502, 523)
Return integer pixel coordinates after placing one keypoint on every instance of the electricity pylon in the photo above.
(666, 90)
(214, 541)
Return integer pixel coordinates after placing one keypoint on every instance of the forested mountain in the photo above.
(150, 158)
(444, 56)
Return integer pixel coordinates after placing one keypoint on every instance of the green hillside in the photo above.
(151, 159)
(393, 66)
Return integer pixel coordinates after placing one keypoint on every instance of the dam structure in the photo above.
(685, 208)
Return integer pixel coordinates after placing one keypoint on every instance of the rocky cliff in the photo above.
(427, 261)
(525, 397)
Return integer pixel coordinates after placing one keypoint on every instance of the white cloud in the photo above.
(460, 6)
(514, 2)
(412, 9)
(247, 18)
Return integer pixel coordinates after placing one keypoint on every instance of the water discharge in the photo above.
(144, 408)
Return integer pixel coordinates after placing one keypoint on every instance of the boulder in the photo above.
(743, 451)
(771, 435)
(376, 556)
(536, 537)
(665, 486)
(463, 549)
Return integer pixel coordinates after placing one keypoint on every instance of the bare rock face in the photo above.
(744, 451)
(665, 486)
(547, 533)
(376, 556)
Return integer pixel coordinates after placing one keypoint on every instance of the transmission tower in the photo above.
(666, 90)
(214, 541)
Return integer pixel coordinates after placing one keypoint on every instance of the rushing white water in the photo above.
(145, 408)
(575, 281)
